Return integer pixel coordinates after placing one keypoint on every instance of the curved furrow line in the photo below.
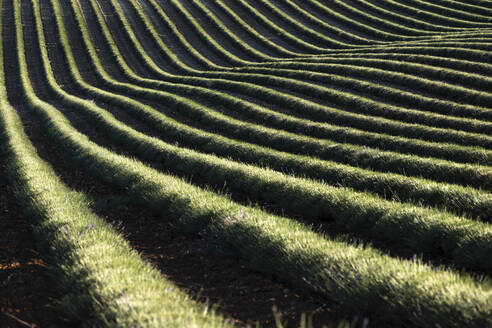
(463, 51)
(394, 80)
(164, 17)
(439, 69)
(97, 269)
(157, 242)
(238, 25)
(218, 167)
(377, 18)
(295, 29)
(462, 6)
(254, 91)
(230, 221)
(401, 97)
(371, 119)
(291, 38)
(296, 42)
(318, 21)
(427, 86)
(250, 136)
(487, 101)
(465, 66)
(444, 16)
(155, 150)
(337, 22)
(408, 15)
(173, 158)
(348, 18)
(267, 24)
(481, 3)
(446, 9)
(266, 157)
(221, 34)
(287, 23)
(227, 230)
(343, 33)
(221, 27)
(193, 31)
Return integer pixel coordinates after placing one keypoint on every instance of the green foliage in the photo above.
(422, 187)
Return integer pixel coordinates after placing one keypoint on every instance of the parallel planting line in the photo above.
(251, 233)
(343, 148)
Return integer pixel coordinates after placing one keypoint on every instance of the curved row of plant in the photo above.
(284, 192)
(282, 20)
(446, 108)
(168, 127)
(424, 84)
(308, 8)
(276, 245)
(454, 198)
(229, 85)
(379, 18)
(445, 16)
(344, 99)
(95, 267)
(412, 17)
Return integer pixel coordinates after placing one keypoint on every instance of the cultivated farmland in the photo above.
(219, 163)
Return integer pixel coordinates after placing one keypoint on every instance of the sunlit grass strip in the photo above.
(302, 32)
(454, 198)
(372, 18)
(483, 17)
(156, 119)
(141, 15)
(411, 291)
(205, 37)
(254, 34)
(282, 120)
(286, 36)
(230, 35)
(405, 20)
(457, 88)
(317, 37)
(335, 116)
(460, 65)
(95, 267)
(469, 8)
(282, 100)
(261, 39)
(460, 50)
(324, 26)
(443, 17)
(458, 59)
(371, 216)
(328, 70)
(344, 20)
(440, 69)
